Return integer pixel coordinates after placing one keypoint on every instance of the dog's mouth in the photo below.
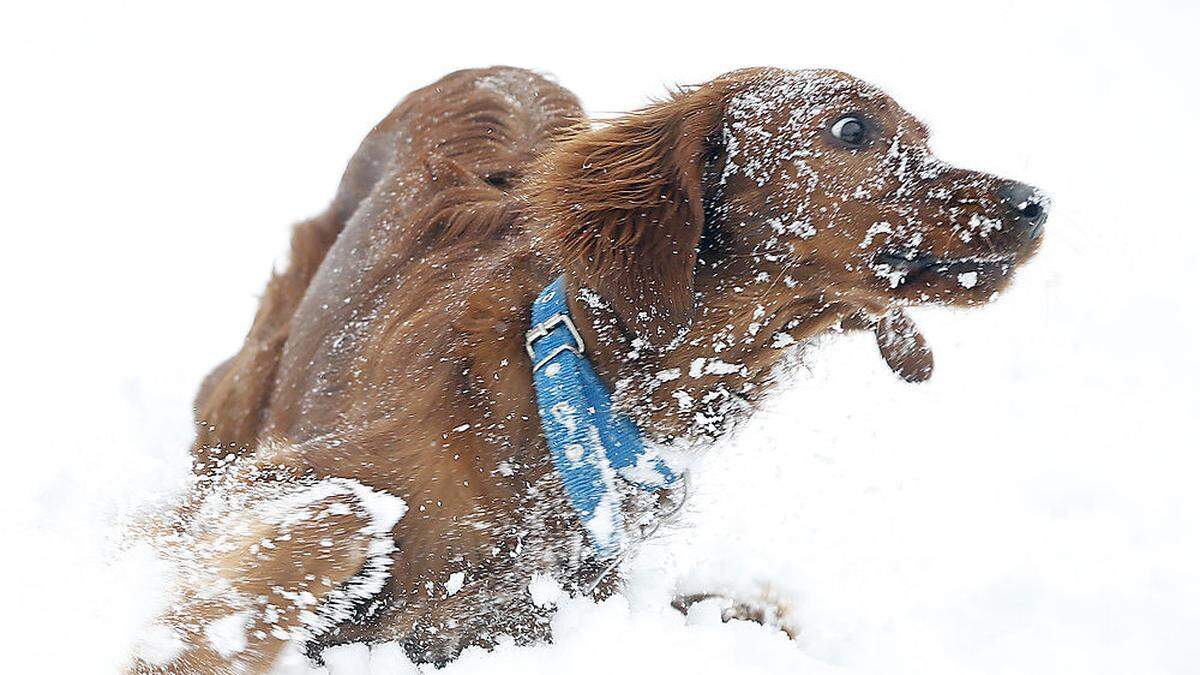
(902, 268)
(916, 278)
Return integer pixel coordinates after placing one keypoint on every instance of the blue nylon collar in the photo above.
(592, 446)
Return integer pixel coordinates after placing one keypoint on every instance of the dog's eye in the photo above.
(851, 130)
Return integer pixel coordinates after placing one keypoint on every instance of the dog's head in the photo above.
(781, 192)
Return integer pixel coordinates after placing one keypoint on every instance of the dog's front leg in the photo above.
(261, 571)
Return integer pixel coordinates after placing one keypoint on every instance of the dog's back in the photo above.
(425, 196)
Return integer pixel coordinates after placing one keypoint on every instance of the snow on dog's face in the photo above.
(826, 170)
(767, 205)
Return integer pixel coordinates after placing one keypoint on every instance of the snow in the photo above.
(455, 583)
(227, 635)
(544, 590)
(719, 367)
(1032, 509)
(159, 645)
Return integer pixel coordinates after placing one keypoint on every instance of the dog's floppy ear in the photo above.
(624, 204)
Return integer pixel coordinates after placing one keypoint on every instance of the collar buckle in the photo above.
(544, 329)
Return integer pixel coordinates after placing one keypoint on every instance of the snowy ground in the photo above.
(1033, 509)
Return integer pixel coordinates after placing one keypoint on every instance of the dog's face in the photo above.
(768, 200)
(826, 170)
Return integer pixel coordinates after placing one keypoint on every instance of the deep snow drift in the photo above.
(1032, 509)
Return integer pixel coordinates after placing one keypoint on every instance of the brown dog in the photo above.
(373, 465)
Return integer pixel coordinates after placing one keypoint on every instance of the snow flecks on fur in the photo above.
(227, 636)
(454, 583)
(251, 517)
(544, 590)
(159, 645)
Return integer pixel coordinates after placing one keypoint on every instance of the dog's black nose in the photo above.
(1026, 203)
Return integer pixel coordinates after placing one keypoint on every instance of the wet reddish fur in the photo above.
(400, 317)
(625, 204)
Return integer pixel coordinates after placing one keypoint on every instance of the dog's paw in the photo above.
(764, 607)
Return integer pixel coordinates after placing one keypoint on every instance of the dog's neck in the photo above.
(694, 388)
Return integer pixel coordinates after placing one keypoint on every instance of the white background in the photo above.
(1033, 509)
